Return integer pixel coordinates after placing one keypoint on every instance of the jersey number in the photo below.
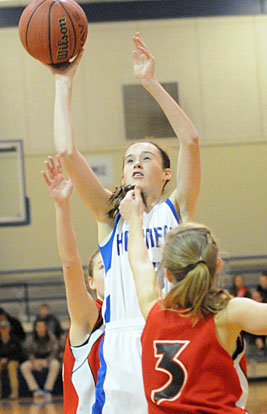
(167, 353)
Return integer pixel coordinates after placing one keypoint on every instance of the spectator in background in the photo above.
(11, 355)
(52, 321)
(16, 328)
(239, 289)
(42, 351)
(262, 286)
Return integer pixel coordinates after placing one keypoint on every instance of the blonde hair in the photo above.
(190, 254)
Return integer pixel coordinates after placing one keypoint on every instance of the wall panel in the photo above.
(261, 50)
(13, 105)
(229, 80)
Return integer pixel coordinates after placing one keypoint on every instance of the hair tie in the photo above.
(192, 266)
(200, 261)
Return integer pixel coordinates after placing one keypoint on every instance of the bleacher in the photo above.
(22, 291)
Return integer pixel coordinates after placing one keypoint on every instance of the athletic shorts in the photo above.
(120, 386)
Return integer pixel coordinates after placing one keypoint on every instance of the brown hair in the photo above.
(117, 196)
(190, 254)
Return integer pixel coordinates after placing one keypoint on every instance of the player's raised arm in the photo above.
(91, 191)
(148, 292)
(247, 315)
(188, 167)
(81, 306)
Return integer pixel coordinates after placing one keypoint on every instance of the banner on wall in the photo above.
(103, 167)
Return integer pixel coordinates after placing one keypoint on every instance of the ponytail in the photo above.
(190, 254)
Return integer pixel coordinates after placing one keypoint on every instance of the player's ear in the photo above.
(167, 174)
(91, 283)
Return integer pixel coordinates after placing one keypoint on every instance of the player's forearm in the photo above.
(66, 240)
(181, 124)
(63, 128)
(137, 250)
(136, 246)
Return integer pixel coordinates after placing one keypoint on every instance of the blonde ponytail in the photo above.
(190, 254)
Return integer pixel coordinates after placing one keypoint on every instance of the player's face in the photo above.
(97, 281)
(143, 166)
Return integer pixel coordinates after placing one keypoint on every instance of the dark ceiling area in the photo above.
(111, 11)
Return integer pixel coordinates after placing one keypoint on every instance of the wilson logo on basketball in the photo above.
(63, 44)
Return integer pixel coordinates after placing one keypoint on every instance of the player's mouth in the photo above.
(137, 174)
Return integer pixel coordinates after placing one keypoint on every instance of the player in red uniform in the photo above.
(191, 356)
(81, 357)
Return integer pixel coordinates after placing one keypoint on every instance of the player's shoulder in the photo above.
(234, 310)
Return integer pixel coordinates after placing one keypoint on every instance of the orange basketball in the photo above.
(53, 31)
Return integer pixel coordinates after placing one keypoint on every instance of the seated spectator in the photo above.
(52, 321)
(239, 289)
(262, 286)
(42, 350)
(15, 325)
(11, 354)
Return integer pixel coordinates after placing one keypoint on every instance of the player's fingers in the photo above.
(135, 57)
(45, 178)
(137, 193)
(51, 162)
(139, 41)
(129, 195)
(145, 52)
(52, 168)
(49, 169)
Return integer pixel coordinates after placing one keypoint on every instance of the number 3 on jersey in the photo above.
(167, 353)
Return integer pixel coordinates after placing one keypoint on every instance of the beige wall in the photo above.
(220, 65)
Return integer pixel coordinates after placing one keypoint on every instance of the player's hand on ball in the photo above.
(67, 69)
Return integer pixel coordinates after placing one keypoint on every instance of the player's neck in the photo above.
(151, 201)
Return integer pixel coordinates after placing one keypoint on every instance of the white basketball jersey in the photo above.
(120, 293)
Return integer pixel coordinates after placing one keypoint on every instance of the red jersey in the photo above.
(186, 370)
(80, 367)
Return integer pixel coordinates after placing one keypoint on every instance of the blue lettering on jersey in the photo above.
(158, 234)
(149, 238)
(152, 237)
(119, 242)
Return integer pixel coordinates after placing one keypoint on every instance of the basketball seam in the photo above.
(49, 33)
(74, 31)
(26, 34)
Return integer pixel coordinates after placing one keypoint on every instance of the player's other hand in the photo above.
(60, 188)
(132, 206)
(143, 61)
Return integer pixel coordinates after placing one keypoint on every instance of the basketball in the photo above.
(53, 31)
